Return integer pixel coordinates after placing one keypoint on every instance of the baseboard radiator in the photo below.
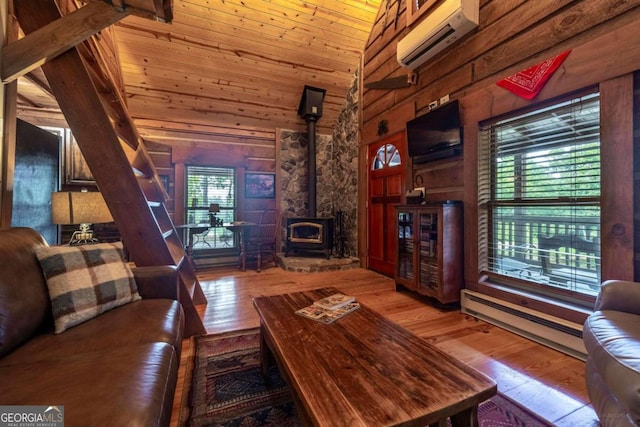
(548, 330)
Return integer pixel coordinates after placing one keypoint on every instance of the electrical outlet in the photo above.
(444, 99)
(433, 104)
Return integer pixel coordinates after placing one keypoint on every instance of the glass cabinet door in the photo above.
(429, 266)
(405, 245)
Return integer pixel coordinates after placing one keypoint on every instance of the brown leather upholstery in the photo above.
(612, 338)
(119, 368)
(24, 300)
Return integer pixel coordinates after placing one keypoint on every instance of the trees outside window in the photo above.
(539, 197)
(207, 185)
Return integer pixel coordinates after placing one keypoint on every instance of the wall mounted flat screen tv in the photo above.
(436, 134)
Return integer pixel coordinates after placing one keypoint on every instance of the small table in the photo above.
(192, 229)
(364, 370)
(242, 230)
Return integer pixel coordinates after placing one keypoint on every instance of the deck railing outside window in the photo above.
(539, 197)
(519, 251)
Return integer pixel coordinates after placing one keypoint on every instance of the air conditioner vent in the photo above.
(441, 28)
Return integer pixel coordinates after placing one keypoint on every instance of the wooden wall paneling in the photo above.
(460, 76)
(272, 72)
(616, 201)
(8, 96)
(492, 50)
(470, 198)
(363, 200)
(101, 145)
(9, 92)
(636, 175)
(30, 52)
(179, 188)
(388, 16)
(378, 52)
(379, 105)
(443, 180)
(304, 18)
(151, 53)
(160, 155)
(232, 157)
(600, 51)
(396, 118)
(176, 133)
(492, 10)
(592, 62)
(557, 29)
(577, 72)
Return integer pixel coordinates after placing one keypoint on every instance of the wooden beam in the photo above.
(616, 204)
(42, 84)
(8, 104)
(59, 36)
(97, 139)
(159, 10)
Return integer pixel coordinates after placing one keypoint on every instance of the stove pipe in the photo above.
(311, 162)
(310, 109)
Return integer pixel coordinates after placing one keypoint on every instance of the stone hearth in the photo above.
(313, 264)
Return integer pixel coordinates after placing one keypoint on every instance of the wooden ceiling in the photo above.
(233, 62)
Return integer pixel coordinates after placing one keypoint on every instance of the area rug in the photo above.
(224, 387)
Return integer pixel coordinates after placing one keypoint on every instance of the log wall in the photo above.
(512, 36)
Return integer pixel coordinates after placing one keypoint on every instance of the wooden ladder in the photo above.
(94, 108)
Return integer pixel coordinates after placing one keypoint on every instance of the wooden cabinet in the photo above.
(430, 251)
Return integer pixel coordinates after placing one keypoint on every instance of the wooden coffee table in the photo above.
(364, 370)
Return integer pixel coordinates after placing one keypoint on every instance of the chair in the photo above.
(611, 336)
(262, 240)
(586, 258)
(201, 237)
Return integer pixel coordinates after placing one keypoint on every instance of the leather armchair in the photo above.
(612, 338)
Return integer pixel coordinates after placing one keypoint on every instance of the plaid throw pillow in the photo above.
(85, 281)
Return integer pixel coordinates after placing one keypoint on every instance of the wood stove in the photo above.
(309, 234)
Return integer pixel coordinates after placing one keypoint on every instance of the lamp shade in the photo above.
(79, 208)
(214, 207)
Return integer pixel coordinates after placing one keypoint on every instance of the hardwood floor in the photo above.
(546, 381)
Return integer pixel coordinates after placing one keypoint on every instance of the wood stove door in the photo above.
(386, 186)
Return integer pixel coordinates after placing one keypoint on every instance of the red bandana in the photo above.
(528, 83)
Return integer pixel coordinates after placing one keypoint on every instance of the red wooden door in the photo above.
(386, 186)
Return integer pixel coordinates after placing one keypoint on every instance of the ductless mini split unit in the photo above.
(442, 27)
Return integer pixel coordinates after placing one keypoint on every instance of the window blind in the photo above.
(539, 195)
(207, 185)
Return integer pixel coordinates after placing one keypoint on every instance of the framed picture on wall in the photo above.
(259, 185)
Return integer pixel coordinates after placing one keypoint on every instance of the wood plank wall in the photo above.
(174, 145)
(636, 174)
(512, 35)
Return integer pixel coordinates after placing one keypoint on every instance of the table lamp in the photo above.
(214, 208)
(80, 207)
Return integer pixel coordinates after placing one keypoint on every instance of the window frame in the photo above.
(487, 202)
(227, 211)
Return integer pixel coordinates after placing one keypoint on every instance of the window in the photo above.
(387, 156)
(208, 185)
(539, 198)
(416, 8)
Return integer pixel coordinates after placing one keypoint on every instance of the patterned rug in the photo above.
(227, 389)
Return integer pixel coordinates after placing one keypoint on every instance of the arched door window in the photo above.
(386, 156)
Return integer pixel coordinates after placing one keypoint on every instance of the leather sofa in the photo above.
(117, 369)
(612, 338)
